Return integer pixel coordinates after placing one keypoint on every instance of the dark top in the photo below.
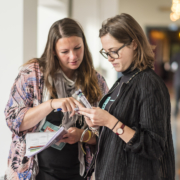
(126, 75)
(59, 164)
(143, 105)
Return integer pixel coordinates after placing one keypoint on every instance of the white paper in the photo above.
(42, 138)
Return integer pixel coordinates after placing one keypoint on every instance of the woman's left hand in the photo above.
(73, 135)
(98, 116)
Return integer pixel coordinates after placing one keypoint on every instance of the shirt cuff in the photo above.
(133, 140)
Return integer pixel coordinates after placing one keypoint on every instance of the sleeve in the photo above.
(24, 93)
(154, 118)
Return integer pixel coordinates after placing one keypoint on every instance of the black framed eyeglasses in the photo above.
(112, 54)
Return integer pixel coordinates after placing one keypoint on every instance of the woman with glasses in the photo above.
(135, 138)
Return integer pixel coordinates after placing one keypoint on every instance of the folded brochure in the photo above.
(38, 141)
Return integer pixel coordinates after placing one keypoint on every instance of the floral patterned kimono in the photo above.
(27, 92)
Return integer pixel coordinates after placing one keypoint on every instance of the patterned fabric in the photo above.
(26, 93)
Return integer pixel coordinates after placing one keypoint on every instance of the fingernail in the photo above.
(76, 109)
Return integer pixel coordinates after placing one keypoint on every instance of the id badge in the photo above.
(49, 127)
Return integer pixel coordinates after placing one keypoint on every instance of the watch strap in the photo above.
(122, 126)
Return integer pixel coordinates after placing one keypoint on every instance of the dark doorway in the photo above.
(167, 43)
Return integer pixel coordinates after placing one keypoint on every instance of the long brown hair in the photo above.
(125, 29)
(49, 64)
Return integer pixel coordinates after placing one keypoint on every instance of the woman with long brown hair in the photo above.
(135, 141)
(43, 85)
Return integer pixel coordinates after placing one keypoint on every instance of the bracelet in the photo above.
(89, 136)
(51, 104)
(81, 139)
(94, 131)
(115, 125)
(92, 134)
(83, 149)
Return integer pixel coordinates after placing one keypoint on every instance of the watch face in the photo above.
(119, 131)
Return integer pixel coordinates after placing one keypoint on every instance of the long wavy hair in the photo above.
(124, 28)
(49, 64)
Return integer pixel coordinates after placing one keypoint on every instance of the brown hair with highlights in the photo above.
(125, 29)
(49, 64)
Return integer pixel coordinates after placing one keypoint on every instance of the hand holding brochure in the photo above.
(38, 141)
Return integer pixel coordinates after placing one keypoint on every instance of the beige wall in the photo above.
(29, 29)
(17, 43)
(91, 14)
(148, 13)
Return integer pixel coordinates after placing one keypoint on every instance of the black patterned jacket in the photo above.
(143, 105)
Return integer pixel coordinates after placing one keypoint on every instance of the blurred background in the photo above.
(24, 26)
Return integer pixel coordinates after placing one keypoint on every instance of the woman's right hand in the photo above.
(66, 104)
(89, 122)
(34, 115)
